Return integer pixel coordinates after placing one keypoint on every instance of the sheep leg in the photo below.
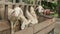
(12, 28)
(22, 26)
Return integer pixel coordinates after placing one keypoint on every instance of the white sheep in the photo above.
(15, 15)
(19, 14)
(10, 14)
(32, 12)
(40, 9)
(30, 17)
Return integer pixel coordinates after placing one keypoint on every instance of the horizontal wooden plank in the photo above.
(26, 31)
(4, 25)
(0, 32)
(42, 25)
(47, 29)
(8, 31)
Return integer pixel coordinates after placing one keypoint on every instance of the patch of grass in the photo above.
(57, 33)
(54, 15)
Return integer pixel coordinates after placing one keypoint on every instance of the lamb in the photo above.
(30, 17)
(32, 12)
(15, 15)
(40, 9)
(10, 16)
(21, 17)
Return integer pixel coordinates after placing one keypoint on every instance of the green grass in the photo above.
(54, 15)
(57, 33)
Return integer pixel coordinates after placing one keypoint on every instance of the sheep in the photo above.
(31, 17)
(40, 9)
(32, 12)
(15, 15)
(20, 15)
(10, 14)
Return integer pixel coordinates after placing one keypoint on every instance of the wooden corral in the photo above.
(44, 26)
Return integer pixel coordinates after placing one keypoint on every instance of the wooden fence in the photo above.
(43, 27)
